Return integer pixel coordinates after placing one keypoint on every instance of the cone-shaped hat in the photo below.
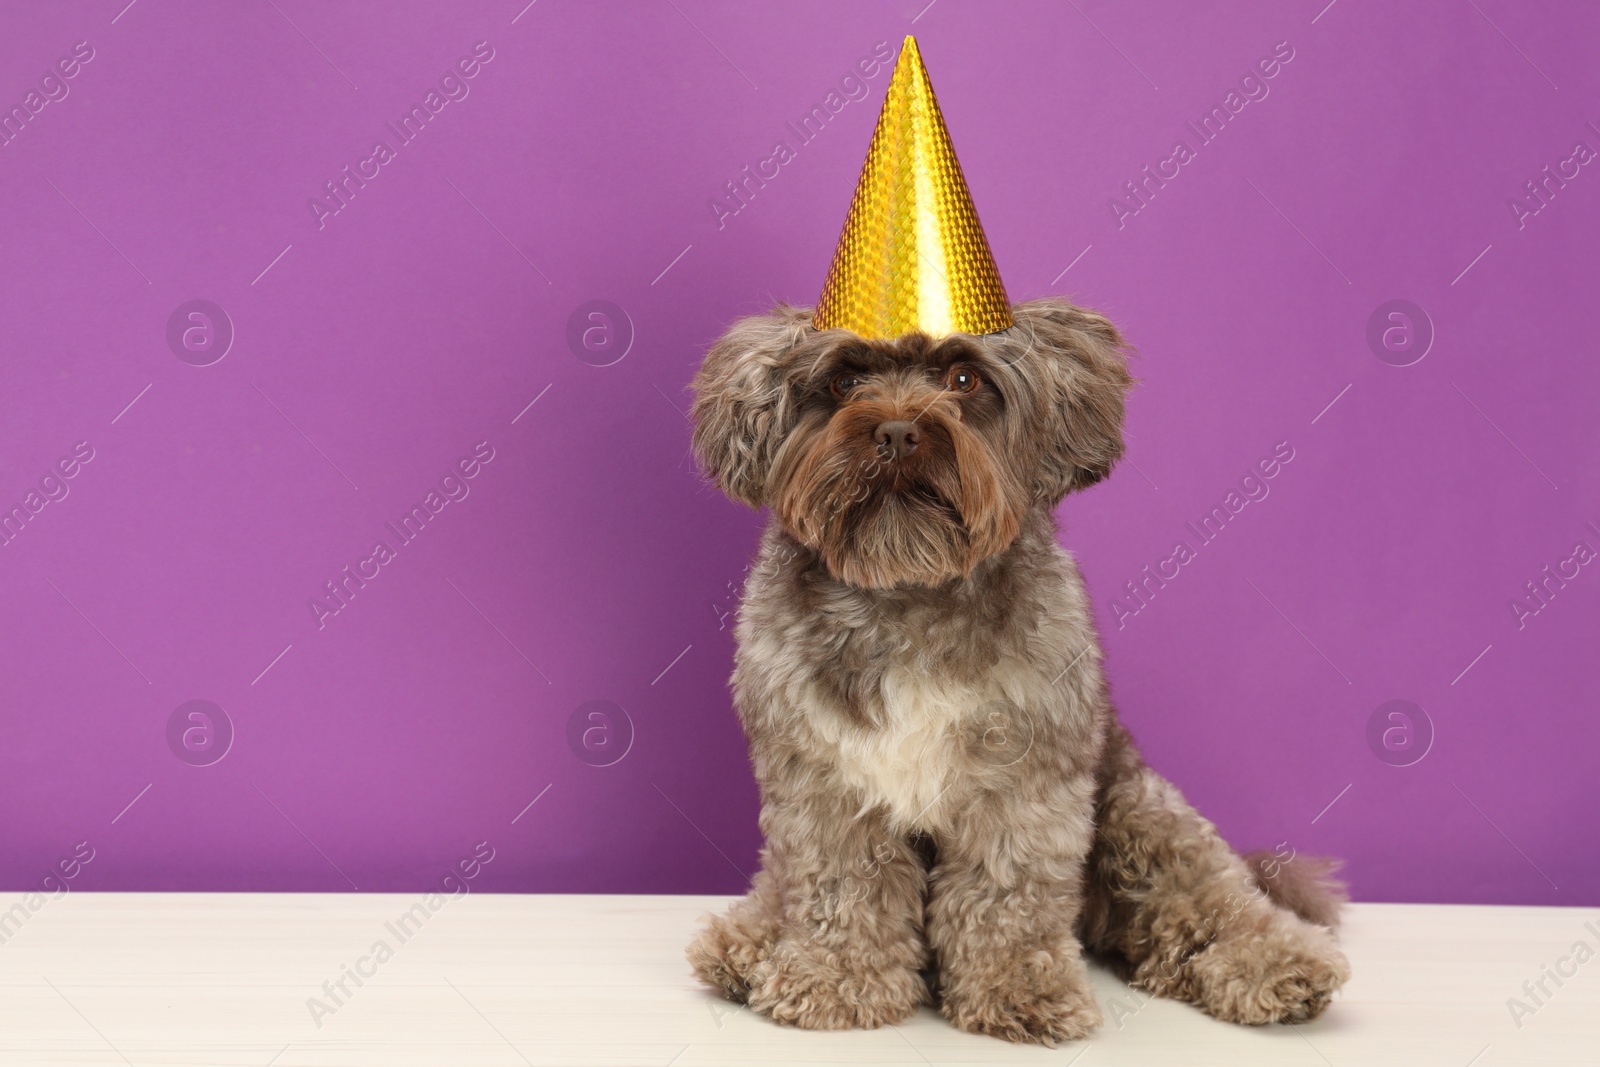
(912, 255)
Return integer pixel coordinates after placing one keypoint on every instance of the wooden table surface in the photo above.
(172, 978)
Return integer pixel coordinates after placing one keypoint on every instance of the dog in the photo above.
(952, 812)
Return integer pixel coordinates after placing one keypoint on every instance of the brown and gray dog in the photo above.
(952, 811)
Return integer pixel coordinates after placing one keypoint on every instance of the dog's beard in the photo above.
(877, 522)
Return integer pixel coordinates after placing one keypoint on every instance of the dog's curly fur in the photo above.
(952, 812)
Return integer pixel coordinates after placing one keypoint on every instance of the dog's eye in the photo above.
(843, 383)
(962, 379)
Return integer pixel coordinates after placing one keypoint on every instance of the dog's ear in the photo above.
(1077, 361)
(742, 403)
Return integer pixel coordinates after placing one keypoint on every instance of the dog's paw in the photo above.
(1284, 972)
(1043, 999)
(728, 950)
(802, 985)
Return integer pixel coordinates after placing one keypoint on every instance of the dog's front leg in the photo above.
(844, 898)
(1004, 898)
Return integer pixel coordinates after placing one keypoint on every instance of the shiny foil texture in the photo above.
(913, 255)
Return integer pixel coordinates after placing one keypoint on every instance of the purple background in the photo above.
(590, 562)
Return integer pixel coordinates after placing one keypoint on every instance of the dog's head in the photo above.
(913, 460)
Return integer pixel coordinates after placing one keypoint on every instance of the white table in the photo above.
(150, 979)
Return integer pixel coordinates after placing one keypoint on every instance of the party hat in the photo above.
(912, 255)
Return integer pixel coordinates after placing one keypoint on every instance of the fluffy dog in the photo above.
(952, 811)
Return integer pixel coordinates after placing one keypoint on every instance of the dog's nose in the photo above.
(897, 437)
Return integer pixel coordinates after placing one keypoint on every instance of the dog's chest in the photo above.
(909, 753)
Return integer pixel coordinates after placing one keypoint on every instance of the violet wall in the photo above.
(229, 458)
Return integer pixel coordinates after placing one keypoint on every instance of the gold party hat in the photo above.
(912, 255)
